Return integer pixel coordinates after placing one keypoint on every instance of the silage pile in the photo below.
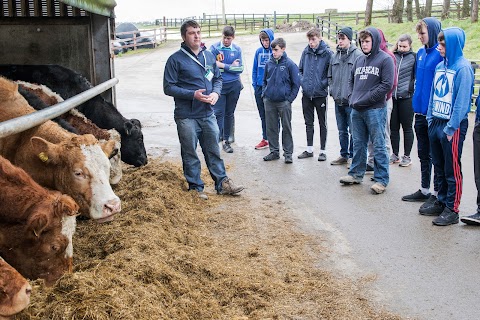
(171, 255)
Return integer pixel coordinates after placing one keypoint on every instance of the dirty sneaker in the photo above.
(339, 160)
(348, 180)
(378, 188)
(406, 161)
(271, 156)
(394, 159)
(305, 154)
(262, 145)
(228, 187)
(473, 220)
(202, 195)
(227, 147)
(447, 217)
(322, 157)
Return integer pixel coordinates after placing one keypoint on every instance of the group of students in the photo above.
(376, 92)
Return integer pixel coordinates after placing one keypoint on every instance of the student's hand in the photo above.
(220, 65)
(200, 96)
(236, 62)
(449, 138)
(213, 98)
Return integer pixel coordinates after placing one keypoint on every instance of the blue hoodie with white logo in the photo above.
(452, 89)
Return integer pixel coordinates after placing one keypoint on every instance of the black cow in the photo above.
(68, 83)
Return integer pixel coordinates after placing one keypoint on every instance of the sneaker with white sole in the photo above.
(394, 159)
(349, 180)
(262, 145)
(406, 161)
(378, 188)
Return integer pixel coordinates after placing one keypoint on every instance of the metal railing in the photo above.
(31, 120)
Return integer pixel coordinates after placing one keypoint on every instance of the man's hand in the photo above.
(449, 138)
(220, 65)
(212, 98)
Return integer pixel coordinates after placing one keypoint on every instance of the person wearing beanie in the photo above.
(338, 74)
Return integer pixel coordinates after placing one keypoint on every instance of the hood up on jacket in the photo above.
(270, 34)
(454, 44)
(434, 26)
(376, 40)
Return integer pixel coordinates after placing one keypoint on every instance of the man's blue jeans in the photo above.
(203, 131)
(370, 124)
(344, 125)
(225, 107)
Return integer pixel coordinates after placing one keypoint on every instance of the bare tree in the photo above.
(428, 8)
(409, 10)
(474, 16)
(397, 11)
(417, 10)
(446, 9)
(368, 13)
(465, 8)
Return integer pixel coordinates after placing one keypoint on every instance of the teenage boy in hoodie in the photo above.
(339, 72)
(193, 79)
(447, 116)
(428, 57)
(371, 80)
(262, 55)
(280, 88)
(230, 63)
(313, 70)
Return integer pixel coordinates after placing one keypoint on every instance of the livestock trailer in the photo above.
(73, 33)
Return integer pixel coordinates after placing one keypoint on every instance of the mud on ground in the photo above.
(171, 255)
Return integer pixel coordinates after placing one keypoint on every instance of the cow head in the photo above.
(80, 168)
(14, 291)
(133, 149)
(115, 158)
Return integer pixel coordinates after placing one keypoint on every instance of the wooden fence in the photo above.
(151, 37)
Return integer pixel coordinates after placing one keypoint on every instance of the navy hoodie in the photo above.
(281, 81)
(372, 77)
(313, 70)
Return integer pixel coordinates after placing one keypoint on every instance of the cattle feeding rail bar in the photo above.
(31, 120)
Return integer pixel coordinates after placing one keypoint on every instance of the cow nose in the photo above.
(114, 206)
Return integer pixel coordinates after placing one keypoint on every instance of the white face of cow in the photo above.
(69, 224)
(104, 203)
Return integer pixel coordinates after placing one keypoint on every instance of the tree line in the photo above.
(467, 8)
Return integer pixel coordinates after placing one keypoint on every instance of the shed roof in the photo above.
(102, 7)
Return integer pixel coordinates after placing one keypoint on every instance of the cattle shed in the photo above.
(73, 33)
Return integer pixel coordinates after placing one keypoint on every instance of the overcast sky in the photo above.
(149, 10)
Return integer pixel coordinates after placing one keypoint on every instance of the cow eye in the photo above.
(78, 173)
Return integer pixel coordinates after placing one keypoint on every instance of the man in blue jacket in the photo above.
(280, 88)
(447, 116)
(230, 62)
(428, 57)
(371, 80)
(313, 70)
(193, 79)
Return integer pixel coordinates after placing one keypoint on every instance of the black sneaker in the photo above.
(271, 156)
(431, 200)
(227, 147)
(288, 159)
(473, 220)
(417, 196)
(434, 210)
(322, 157)
(447, 217)
(305, 154)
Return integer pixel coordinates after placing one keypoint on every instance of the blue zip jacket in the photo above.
(313, 70)
(452, 89)
(262, 55)
(427, 60)
(372, 77)
(227, 55)
(281, 81)
(183, 76)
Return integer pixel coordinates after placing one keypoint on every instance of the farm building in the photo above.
(73, 33)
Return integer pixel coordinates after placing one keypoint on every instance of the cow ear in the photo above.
(66, 206)
(46, 151)
(128, 126)
(108, 148)
(37, 223)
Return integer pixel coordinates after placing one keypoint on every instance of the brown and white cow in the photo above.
(14, 291)
(36, 225)
(73, 164)
(41, 97)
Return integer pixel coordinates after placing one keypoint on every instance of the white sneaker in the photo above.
(406, 161)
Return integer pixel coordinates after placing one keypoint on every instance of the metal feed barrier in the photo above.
(31, 120)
